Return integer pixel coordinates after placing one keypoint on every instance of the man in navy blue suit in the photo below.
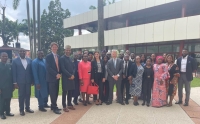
(23, 79)
(53, 76)
(187, 66)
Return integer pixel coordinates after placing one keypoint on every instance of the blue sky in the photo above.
(75, 7)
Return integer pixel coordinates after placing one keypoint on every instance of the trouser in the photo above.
(111, 86)
(24, 96)
(100, 84)
(146, 91)
(53, 91)
(183, 80)
(126, 84)
(106, 90)
(41, 101)
(75, 99)
(69, 98)
(4, 105)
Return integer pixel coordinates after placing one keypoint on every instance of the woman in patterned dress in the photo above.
(173, 80)
(136, 72)
(159, 94)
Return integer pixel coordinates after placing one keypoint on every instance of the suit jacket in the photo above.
(20, 74)
(6, 82)
(115, 71)
(133, 70)
(94, 70)
(51, 69)
(67, 69)
(190, 67)
(128, 68)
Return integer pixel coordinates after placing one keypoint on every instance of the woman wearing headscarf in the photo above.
(159, 93)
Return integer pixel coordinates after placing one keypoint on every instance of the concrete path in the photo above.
(111, 114)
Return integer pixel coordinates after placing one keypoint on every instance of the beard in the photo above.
(184, 55)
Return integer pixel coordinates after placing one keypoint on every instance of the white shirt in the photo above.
(24, 63)
(183, 64)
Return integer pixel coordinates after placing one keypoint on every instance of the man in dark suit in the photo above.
(68, 84)
(186, 66)
(23, 79)
(115, 69)
(53, 76)
(6, 86)
(125, 82)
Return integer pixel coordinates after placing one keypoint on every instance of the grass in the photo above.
(195, 83)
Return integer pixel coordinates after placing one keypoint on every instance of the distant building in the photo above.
(142, 26)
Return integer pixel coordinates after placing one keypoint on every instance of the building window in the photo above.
(165, 48)
(132, 49)
(152, 49)
(176, 47)
(140, 49)
(193, 47)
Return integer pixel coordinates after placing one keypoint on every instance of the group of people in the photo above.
(152, 79)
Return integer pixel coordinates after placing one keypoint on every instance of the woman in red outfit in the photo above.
(84, 70)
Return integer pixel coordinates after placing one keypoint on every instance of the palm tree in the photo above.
(100, 25)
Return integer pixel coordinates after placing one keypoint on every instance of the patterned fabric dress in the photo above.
(159, 93)
(136, 86)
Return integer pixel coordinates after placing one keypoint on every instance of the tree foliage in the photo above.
(105, 2)
(11, 30)
(52, 29)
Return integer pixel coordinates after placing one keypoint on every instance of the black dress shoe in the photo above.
(56, 111)
(179, 102)
(143, 103)
(42, 109)
(108, 103)
(47, 106)
(127, 102)
(9, 114)
(22, 113)
(3, 116)
(30, 111)
(185, 104)
(122, 103)
(148, 104)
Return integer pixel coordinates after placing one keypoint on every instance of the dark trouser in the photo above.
(41, 101)
(69, 98)
(111, 86)
(46, 99)
(183, 80)
(24, 96)
(125, 82)
(53, 91)
(106, 89)
(146, 90)
(75, 99)
(4, 105)
(100, 84)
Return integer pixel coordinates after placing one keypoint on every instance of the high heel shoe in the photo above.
(100, 102)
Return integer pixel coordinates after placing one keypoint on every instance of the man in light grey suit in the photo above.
(115, 69)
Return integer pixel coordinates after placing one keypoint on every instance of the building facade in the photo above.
(142, 26)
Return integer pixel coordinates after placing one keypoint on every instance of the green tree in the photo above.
(105, 2)
(52, 29)
(12, 30)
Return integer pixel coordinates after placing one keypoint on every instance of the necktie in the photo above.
(126, 69)
(56, 59)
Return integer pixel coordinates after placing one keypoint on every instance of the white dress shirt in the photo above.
(125, 66)
(183, 64)
(24, 62)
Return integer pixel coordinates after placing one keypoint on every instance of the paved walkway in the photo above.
(112, 114)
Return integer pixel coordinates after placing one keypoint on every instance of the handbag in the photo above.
(93, 88)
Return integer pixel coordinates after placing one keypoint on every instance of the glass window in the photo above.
(140, 49)
(152, 49)
(165, 48)
(132, 49)
(193, 47)
(176, 47)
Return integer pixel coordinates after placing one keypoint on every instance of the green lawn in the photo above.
(195, 83)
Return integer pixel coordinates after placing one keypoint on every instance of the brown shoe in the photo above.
(71, 107)
(65, 110)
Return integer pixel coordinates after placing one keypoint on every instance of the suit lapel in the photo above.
(19, 60)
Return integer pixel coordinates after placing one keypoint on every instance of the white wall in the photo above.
(169, 30)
